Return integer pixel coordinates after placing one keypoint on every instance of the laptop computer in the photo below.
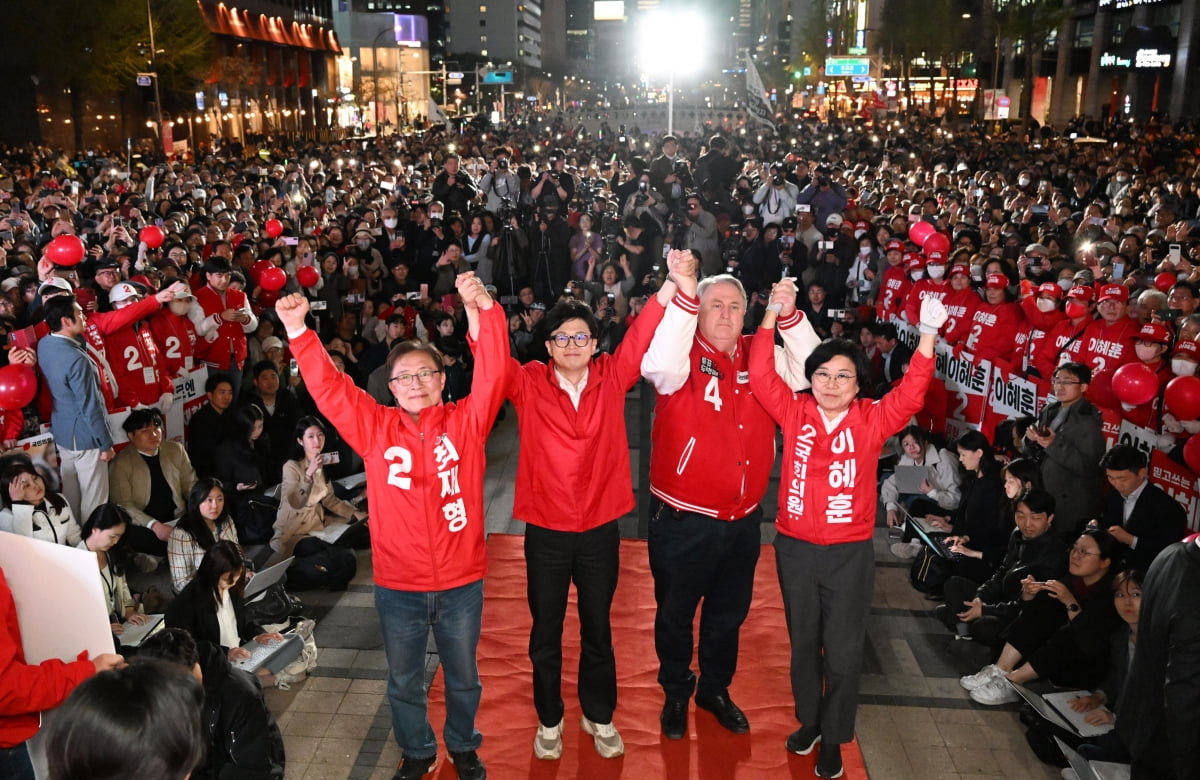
(1092, 770)
(266, 578)
(1055, 708)
(132, 634)
(926, 534)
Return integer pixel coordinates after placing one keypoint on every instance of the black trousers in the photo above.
(826, 599)
(553, 560)
(143, 540)
(694, 558)
(988, 629)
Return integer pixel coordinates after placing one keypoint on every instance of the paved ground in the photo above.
(914, 720)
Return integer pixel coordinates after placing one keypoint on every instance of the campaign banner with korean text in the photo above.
(1179, 482)
(1013, 396)
(966, 379)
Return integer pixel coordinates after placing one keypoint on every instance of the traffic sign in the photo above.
(455, 74)
(847, 66)
(144, 79)
(498, 77)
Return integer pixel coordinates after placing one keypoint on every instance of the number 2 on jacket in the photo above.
(399, 463)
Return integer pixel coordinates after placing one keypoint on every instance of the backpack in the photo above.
(930, 571)
(320, 564)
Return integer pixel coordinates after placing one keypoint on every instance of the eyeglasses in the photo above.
(1077, 550)
(1064, 382)
(561, 340)
(826, 378)
(425, 375)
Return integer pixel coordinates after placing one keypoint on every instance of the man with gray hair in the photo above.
(713, 448)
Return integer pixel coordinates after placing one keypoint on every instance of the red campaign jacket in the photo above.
(1105, 347)
(893, 291)
(26, 690)
(1039, 326)
(1058, 346)
(961, 305)
(102, 324)
(424, 476)
(573, 473)
(231, 337)
(176, 339)
(827, 483)
(137, 365)
(919, 291)
(994, 332)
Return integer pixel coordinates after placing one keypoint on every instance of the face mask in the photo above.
(1023, 181)
(1145, 354)
(352, 272)
(1066, 284)
(864, 250)
(1045, 305)
(1075, 309)
(916, 275)
(935, 271)
(308, 231)
(390, 222)
(1122, 179)
(748, 209)
(364, 245)
(1183, 367)
(969, 220)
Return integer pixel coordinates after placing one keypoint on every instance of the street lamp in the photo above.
(668, 44)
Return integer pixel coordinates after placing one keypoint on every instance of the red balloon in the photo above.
(65, 250)
(1182, 397)
(267, 298)
(258, 269)
(936, 242)
(919, 231)
(18, 386)
(152, 236)
(274, 228)
(1100, 391)
(1191, 453)
(308, 276)
(1135, 384)
(273, 279)
(1164, 281)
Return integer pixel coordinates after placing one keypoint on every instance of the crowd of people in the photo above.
(429, 277)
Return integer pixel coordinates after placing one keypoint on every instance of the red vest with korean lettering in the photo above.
(921, 290)
(230, 336)
(893, 291)
(176, 339)
(1106, 347)
(961, 306)
(994, 331)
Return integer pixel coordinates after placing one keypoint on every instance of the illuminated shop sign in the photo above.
(1117, 5)
(1144, 59)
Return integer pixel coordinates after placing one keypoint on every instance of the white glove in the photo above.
(933, 315)
(164, 402)
(1165, 442)
(1171, 424)
(1191, 426)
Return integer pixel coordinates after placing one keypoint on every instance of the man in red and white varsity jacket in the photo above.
(713, 449)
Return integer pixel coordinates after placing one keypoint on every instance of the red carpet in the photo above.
(507, 717)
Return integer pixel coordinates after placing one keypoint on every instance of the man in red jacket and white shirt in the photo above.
(573, 482)
(713, 449)
(425, 463)
(222, 317)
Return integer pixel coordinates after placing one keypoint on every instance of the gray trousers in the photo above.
(826, 599)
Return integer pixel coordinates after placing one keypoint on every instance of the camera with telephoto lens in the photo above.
(502, 163)
(777, 180)
(681, 166)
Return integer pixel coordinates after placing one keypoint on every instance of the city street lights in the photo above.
(668, 44)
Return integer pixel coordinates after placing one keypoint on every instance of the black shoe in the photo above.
(802, 741)
(942, 613)
(829, 762)
(414, 768)
(728, 714)
(674, 719)
(468, 765)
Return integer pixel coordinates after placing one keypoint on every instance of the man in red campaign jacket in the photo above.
(995, 325)
(1108, 341)
(425, 463)
(1064, 341)
(961, 303)
(175, 334)
(1151, 345)
(893, 289)
(933, 285)
(1042, 313)
(713, 449)
(570, 414)
(142, 379)
(222, 317)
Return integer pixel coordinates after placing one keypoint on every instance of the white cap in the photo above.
(123, 291)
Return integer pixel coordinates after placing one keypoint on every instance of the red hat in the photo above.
(861, 225)
(1081, 292)
(936, 257)
(1154, 331)
(1114, 292)
(1187, 349)
(960, 269)
(895, 245)
(996, 282)
(912, 261)
(1051, 289)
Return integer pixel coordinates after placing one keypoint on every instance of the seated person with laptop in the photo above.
(927, 480)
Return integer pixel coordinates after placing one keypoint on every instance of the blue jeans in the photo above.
(14, 763)
(454, 616)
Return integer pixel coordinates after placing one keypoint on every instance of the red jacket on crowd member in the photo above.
(961, 306)
(424, 476)
(1150, 415)
(893, 292)
(995, 326)
(718, 460)
(573, 474)
(99, 326)
(1107, 345)
(176, 339)
(222, 338)
(1039, 323)
(1063, 342)
(26, 690)
(141, 373)
(827, 486)
(925, 288)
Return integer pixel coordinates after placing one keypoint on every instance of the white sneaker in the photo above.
(906, 550)
(548, 742)
(982, 677)
(995, 692)
(608, 741)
